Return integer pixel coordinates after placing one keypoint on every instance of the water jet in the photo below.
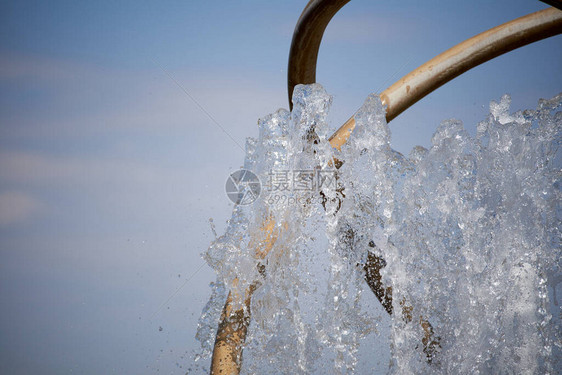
(388, 221)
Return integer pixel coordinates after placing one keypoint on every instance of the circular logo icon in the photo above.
(243, 187)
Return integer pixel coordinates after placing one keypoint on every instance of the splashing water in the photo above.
(466, 236)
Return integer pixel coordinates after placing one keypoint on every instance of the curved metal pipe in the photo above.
(306, 42)
(411, 88)
(459, 59)
(302, 69)
(468, 54)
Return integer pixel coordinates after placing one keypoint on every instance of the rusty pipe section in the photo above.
(235, 317)
(459, 59)
(231, 334)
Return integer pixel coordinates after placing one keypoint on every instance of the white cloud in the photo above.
(369, 28)
(45, 170)
(39, 69)
(138, 132)
(84, 101)
(17, 207)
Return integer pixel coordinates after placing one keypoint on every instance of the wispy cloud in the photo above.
(110, 182)
(124, 146)
(369, 28)
(17, 207)
(39, 69)
(83, 99)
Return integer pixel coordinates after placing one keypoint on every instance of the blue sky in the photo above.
(109, 173)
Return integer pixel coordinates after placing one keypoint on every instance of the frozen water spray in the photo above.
(459, 243)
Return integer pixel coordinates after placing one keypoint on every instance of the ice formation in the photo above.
(467, 235)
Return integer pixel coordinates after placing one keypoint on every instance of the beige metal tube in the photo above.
(233, 325)
(457, 60)
(232, 329)
(231, 334)
(467, 55)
